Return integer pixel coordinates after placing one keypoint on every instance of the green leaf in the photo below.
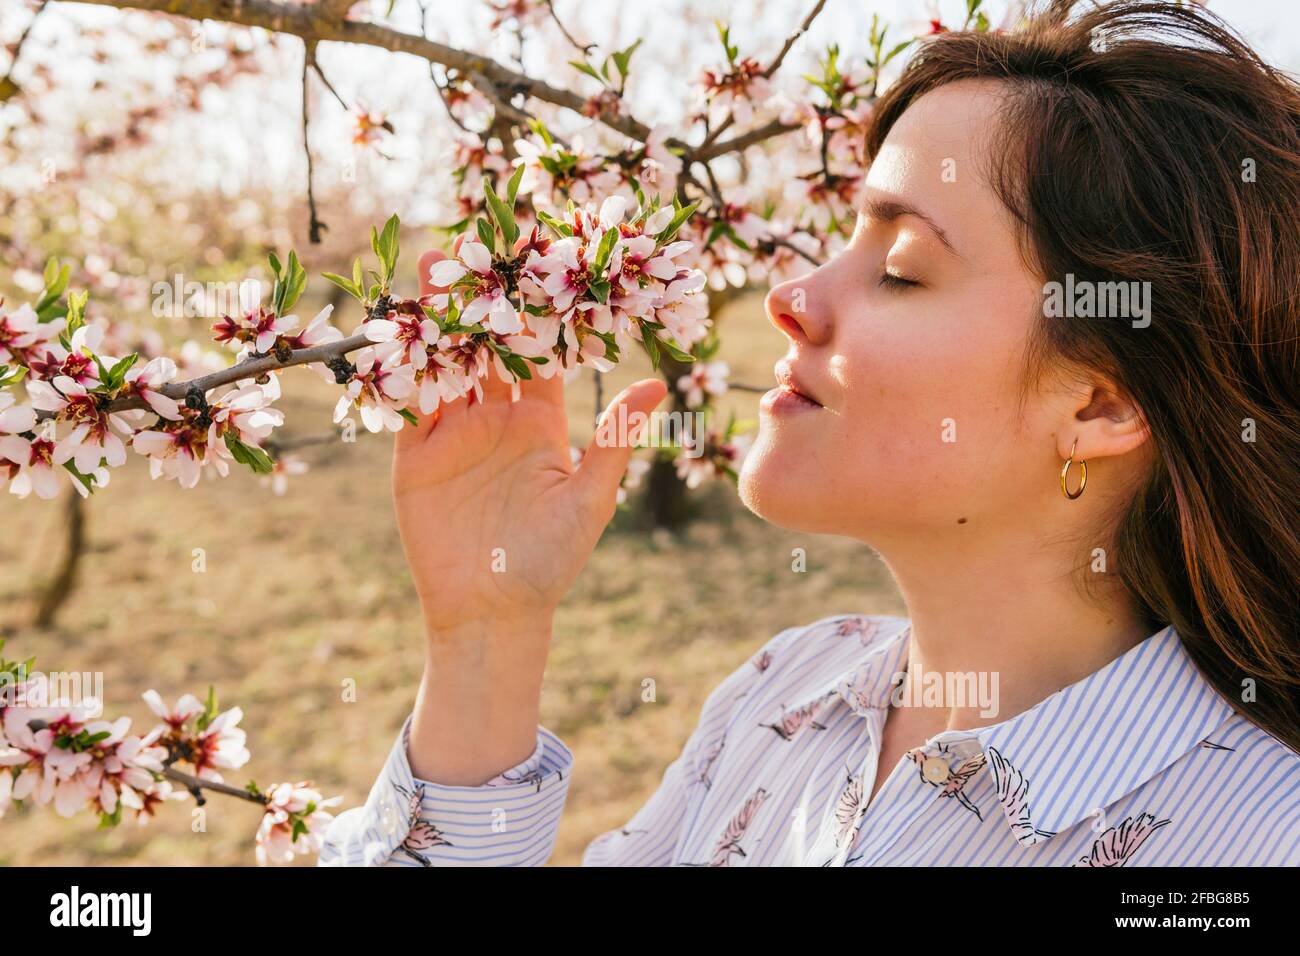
(622, 57)
(682, 214)
(485, 235)
(8, 377)
(538, 127)
(605, 249)
(209, 710)
(503, 215)
(675, 352)
(512, 187)
(117, 374)
(347, 285)
(651, 343)
(250, 455)
(385, 246)
(86, 481)
(561, 229)
(587, 68)
(896, 50)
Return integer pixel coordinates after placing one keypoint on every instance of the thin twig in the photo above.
(793, 38)
(309, 23)
(7, 85)
(251, 367)
(315, 226)
(196, 786)
(584, 49)
(712, 137)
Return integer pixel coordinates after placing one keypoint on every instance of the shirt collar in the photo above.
(1083, 748)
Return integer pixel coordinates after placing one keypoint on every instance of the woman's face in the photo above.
(912, 343)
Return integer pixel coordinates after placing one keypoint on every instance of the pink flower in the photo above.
(76, 363)
(29, 464)
(22, 332)
(294, 822)
(569, 274)
(187, 708)
(377, 391)
(407, 336)
(259, 326)
(704, 378)
(146, 382)
(281, 469)
(220, 746)
(91, 440)
(491, 301)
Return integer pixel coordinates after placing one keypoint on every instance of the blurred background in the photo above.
(137, 149)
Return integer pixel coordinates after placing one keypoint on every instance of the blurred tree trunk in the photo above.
(665, 501)
(64, 580)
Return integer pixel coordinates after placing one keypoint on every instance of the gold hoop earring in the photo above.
(1065, 471)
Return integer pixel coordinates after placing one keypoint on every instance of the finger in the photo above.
(427, 262)
(413, 433)
(603, 465)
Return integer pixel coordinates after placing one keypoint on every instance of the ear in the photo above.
(1106, 422)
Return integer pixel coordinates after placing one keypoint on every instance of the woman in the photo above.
(1053, 381)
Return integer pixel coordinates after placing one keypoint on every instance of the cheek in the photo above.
(927, 414)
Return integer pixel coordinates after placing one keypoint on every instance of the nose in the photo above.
(793, 308)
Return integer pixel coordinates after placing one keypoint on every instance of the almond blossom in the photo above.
(146, 382)
(377, 391)
(491, 299)
(294, 822)
(219, 746)
(22, 331)
(704, 378)
(91, 439)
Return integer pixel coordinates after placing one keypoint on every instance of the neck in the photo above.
(1015, 614)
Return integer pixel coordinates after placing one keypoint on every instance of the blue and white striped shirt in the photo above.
(1141, 763)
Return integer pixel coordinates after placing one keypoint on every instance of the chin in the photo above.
(783, 486)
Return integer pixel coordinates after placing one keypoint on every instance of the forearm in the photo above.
(476, 712)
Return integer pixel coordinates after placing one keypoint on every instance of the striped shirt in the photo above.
(1141, 763)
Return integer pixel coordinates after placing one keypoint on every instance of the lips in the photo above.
(786, 378)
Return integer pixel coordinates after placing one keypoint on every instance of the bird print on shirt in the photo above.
(850, 808)
(728, 844)
(1117, 845)
(863, 628)
(792, 721)
(707, 762)
(422, 835)
(955, 785)
(1013, 794)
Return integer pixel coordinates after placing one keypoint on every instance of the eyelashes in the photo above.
(896, 283)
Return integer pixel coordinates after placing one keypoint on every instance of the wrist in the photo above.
(477, 710)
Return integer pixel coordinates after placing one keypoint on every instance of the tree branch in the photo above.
(196, 786)
(741, 142)
(250, 367)
(314, 23)
(317, 23)
(314, 226)
(772, 67)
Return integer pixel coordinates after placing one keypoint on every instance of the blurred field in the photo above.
(306, 590)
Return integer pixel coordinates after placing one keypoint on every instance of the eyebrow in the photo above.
(887, 210)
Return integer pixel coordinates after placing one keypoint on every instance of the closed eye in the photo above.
(895, 282)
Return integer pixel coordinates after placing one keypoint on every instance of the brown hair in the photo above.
(1130, 141)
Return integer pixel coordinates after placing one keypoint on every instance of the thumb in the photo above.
(427, 261)
(606, 459)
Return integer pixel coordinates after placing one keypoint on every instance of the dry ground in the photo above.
(304, 591)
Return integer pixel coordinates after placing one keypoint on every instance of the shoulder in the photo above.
(806, 656)
(1241, 787)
